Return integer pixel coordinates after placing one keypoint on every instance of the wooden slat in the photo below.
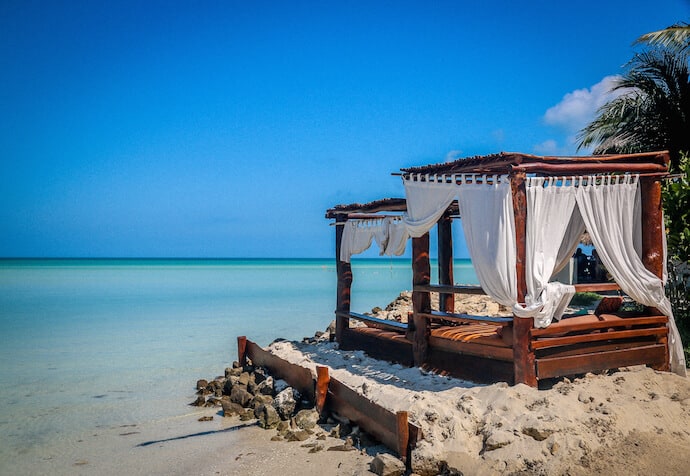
(593, 348)
(298, 377)
(579, 169)
(438, 288)
(576, 339)
(374, 419)
(470, 348)
(592, 287)
(378, 323)
(577, 364)
(434, 315)
(322, 381)
(607, 320)
(378, 345)
(470, 367)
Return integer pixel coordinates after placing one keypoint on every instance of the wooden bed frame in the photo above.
(510, 348)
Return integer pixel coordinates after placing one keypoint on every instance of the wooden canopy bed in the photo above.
(513, 348)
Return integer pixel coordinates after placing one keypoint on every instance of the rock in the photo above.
(201, 383)
(206, 418)
(199, 402)
(539, 434)
(345, 447)
(247, 414)
(241, 396)
(213, 402)
(229, 383)
(386, 465)
(244, 378)
(232, 372)
(265, 387)
(283, 427)
(330, 330)
(260, 375)
(267, 416)
(299, 435)
(261, 399)
(285, 403)
(497, 439)
(307, 419)
(231, 408)
(316, 449)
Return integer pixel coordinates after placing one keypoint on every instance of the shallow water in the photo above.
(89, 344)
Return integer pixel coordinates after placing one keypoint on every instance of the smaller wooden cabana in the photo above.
(522, 216)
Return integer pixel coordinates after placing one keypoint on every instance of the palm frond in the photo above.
(675, 37)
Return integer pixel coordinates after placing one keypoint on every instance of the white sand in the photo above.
(635, 421)
(185, 446)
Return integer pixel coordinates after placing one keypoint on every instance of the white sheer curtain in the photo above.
(488, 221)
(571, 240)
(608, 208)
(389, 232)
(358, 236)
(550, 206)
(426, 202)
(486, 208)
(397, 237)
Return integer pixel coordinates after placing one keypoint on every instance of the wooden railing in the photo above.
(372, 321)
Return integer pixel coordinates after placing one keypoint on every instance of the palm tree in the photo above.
(675, 37)
(652, 110)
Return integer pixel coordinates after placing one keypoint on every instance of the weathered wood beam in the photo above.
(344, 286)
(589, 168)
(421, 300)
(445, 261)
(525, 370)
(653, 235)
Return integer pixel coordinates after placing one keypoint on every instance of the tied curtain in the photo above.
(558, 211)
(389, 233)
(610, 208)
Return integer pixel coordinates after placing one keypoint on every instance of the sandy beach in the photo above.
(629, 421)
(633, 421)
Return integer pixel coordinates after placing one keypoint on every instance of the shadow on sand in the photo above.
(193, 435)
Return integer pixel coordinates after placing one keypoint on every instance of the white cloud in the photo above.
(548, 147)
(453, 155)
(578, 108)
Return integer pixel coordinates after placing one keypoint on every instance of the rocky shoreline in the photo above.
(251, 393)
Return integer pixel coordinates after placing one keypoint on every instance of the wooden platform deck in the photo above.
(483, 351)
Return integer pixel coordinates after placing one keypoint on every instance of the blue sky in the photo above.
(226, 129)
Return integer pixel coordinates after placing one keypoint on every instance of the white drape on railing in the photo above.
(389, 233)
(608, 208)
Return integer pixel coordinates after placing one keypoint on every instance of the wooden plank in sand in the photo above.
(392, 429)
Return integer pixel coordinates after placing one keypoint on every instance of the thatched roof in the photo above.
(506, 162)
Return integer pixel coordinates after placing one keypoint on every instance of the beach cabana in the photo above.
(522, 217)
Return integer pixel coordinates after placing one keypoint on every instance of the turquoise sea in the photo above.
(86, 343)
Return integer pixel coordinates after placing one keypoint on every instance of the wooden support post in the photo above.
(652, 236)
(344, 272)
(403, 434)
(242, 350)
(421, 300)
(445, 261)
(523, 356)
(322, 381)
